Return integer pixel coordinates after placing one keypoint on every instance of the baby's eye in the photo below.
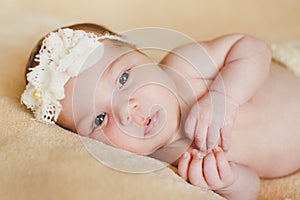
(100, 120)
(123, 78)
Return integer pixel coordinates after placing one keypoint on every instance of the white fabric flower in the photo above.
(63, 55)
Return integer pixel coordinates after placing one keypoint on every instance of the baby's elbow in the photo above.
(264, 51)
(265, 56)
(261, 53)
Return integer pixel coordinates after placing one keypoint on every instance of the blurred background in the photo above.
(271, 20)
(24, 22)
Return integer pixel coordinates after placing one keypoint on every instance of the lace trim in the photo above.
(63, 55)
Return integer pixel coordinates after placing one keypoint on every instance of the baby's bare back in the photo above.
(266, 136)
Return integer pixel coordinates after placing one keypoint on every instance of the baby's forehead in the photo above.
(115, 46)
(114, 49)
(115, 53)
(120, 44)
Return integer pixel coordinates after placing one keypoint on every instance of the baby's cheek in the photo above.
(100, 136)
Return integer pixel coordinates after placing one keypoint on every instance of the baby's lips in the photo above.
(147, 121)
(152, 123)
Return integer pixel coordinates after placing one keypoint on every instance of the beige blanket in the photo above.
(39, 161)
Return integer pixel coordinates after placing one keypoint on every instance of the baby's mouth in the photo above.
(151, 124)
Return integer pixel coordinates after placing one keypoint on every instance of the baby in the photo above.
(233, 116)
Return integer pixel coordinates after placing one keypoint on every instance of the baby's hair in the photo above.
(88, 27)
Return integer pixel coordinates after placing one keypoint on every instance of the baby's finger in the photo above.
(195, 174)
(225, 171)
(200, 136)
(183, 165)
(190, 125)
(211, 171)
(213, 136)
(191, 121)
(226, 132)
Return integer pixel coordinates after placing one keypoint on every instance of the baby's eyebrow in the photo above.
(113, 65)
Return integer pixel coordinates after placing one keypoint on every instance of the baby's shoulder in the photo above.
(191, 69)
(202, 59)
(192, 61)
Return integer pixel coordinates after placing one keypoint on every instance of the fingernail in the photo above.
(200, 155)
(194, 151)
(185, 155)
(218, 149)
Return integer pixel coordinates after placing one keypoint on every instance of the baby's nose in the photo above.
(128, 112)
(136, 114)
(133, 104)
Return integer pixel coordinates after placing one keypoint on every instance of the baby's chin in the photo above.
(141, 151)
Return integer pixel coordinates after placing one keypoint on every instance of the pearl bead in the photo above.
(37, 94)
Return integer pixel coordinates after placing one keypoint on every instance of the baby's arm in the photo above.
(214, 172)
(243, 64)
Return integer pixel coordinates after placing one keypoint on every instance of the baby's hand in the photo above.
(212, 171)
(210, 122)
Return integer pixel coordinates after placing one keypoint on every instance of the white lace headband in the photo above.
(63, 55)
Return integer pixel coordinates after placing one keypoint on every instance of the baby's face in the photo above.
(125, 100)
